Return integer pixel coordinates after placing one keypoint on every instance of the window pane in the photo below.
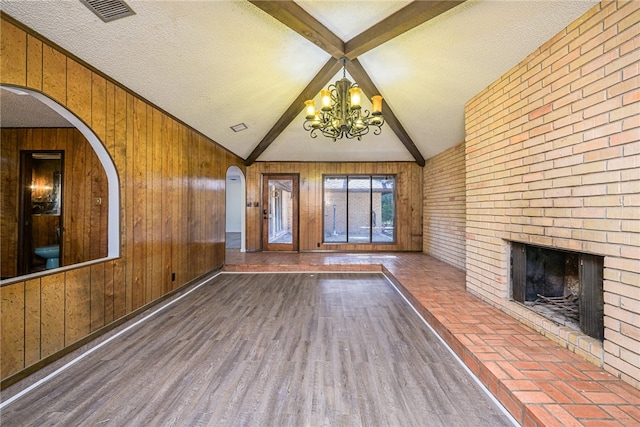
(335, 209)
(383, 218)
(359, 196)
(359, 209)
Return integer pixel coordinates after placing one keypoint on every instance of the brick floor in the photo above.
(538, 381)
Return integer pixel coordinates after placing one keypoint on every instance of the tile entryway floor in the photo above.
(537, 380)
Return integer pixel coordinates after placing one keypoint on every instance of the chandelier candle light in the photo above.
(341, 114)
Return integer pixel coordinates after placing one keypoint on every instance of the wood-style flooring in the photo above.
(276, 349)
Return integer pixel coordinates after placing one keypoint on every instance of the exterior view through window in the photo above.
(359, 208)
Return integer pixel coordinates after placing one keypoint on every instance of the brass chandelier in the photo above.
(341, 114)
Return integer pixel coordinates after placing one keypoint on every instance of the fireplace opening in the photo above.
(565, 287)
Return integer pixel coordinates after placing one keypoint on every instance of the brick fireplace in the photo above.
(552, 160)
(565, 287)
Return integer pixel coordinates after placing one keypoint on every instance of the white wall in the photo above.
(234, 205)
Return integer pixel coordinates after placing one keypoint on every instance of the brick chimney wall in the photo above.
(443, 206)
(553, 159)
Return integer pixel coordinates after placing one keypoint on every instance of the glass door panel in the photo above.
(280, 213)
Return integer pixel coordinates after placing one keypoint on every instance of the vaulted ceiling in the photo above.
(216, 64)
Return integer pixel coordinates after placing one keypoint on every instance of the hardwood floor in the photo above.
(304, 349)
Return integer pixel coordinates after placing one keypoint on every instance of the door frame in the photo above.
(295, 213)
(25, 226)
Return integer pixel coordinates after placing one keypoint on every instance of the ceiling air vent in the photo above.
(109, 10)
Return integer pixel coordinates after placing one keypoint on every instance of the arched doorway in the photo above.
(45, 195)
(235, 197)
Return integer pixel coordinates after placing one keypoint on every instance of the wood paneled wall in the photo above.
(9, 174)
(84, 236)
(408, 207)
(172, 206)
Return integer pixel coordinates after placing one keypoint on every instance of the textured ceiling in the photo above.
(19, 110)
(214, 64)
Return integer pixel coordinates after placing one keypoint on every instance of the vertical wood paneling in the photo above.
(77, 322)
(13, 58)
(77, 180)
(94, 214)
(34, 63)
(408, 202)
(139, 198)
(8, 203)
(100, 189)
(167, 198)
(79, 90)
(32, 322)
(110, 118)
(121, 279)
(220, 223)
(403, 233)
(187, 209)
(192, 200)
(175, 187)
(109, 292)
(127, 219)
(150, 274)
(12, 305)
(99, 106)
(36, 137)
(52, 313)
(183, 209)
(44, 230)
(196, 197)
(157, 271)
(306, 210)
(97, 308)
(317, 203)
(303, 209)
(171, 194)
(54, 74)
(252, 212)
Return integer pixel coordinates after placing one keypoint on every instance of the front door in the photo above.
(280, 212)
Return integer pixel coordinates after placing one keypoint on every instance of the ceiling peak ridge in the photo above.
(300, 21)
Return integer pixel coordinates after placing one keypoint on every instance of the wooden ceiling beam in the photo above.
(410, 16)
(364, 81)
(300, 21)
(319, 81)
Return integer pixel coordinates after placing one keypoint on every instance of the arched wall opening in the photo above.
(235, 197)
(113, 223)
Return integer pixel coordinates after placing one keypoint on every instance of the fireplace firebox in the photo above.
(566, 287)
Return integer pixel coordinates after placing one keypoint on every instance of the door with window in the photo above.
(279, 212)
